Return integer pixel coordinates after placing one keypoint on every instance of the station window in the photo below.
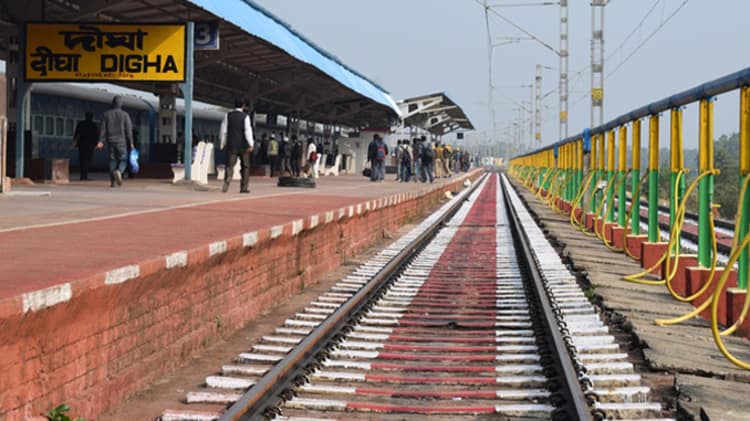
(59, 126)
(39, 124)
(49, 126)
(69, 127)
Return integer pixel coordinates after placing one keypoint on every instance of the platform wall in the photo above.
(114, 339)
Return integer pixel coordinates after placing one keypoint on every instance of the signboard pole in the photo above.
(21, 90)
(187, 92)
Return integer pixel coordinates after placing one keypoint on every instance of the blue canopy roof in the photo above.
(259, 22)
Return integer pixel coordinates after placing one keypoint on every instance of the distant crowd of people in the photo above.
(282, 155)
(417, 160)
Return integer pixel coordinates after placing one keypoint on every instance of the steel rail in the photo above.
(576, 404)
(265, 394)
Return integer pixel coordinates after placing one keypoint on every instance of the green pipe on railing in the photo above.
(706, 184)
(635, 199)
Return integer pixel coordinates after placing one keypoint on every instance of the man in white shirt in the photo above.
(312, 158)
(236, 135)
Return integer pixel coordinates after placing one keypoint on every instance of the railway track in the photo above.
(471, 315)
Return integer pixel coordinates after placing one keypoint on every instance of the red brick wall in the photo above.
(106, 343)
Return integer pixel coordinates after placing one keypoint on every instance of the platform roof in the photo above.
(260, 57)
(436, 113)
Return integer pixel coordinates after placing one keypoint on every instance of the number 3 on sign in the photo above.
(206, 36)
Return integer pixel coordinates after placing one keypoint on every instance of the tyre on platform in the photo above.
(296, 182)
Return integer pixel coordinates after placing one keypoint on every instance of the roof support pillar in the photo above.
(187, 93)
(22, 90)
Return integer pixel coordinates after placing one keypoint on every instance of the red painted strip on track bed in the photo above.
(436, 357)
(438, 368)
(421, 409)
(430, 380)
(437, 348)
(480, 394)
(481, 339)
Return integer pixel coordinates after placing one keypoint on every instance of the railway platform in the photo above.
(104, 289)
(680, 357)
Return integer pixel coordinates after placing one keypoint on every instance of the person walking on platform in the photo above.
(117, 132)
(85, 138)
(428, 158)
(312, 158)
(296, 155)
(236, 135)
(285, 153)
(404, 158)
(447, 159)
(438, 161)
(416, 153)
(377, 151)
(273, 154)
(395, 155)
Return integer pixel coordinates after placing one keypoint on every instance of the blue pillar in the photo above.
(21, 91)
(187, 93)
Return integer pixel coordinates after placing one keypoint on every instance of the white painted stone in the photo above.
(250, 239)
(176, 260)
(43, 298)
(123, 274)
(217, 247)
(297, 226)
(276, 231)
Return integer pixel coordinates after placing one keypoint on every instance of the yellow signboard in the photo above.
(105, 52)
(597, 94)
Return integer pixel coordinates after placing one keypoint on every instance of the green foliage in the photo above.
(58, 414)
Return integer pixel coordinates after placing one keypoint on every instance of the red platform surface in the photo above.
(88, 228)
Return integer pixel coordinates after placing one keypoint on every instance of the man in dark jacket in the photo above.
(377, 152)
(285, 152)
(117, 131)
(85, 138)
(236, 135)
(296, 156)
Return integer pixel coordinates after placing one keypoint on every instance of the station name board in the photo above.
(105, 52)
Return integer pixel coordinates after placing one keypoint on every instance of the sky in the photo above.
(416, 47)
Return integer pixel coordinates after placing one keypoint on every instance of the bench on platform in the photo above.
(204, 156)
(333, 170)
(321, 158)
(236, 175)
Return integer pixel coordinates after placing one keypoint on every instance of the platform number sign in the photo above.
(206, 36)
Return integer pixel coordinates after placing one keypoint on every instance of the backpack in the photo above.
(405, 156)
(380, 153)
(313, 156)
(273, 148)
(428, 153)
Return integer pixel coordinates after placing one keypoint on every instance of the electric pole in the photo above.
(597, 62)
(564, 69)
(538, 104)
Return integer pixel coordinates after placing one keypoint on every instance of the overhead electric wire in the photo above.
(518, 27)
(637, 27)
(658, 28)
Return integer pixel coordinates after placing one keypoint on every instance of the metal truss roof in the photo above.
(436, 113)
(261, 57)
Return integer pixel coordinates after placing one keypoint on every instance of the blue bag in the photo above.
(133, 158)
